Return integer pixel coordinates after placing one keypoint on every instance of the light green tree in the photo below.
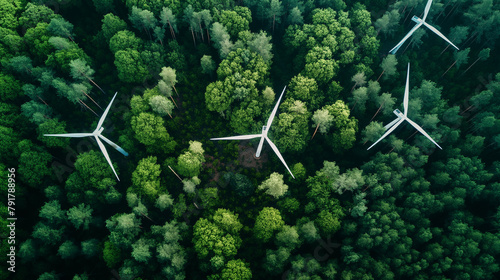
(161, 105)
(274, 186)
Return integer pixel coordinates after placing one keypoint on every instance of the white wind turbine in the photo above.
(97, 134)
(262, 136)
(421, 22)
(403, 117)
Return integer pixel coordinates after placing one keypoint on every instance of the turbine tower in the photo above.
(420, 22)
(263, 136)
(401, 117)
(98, 134)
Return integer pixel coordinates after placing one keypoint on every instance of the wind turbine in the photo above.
(97, 134)
(403, 117)
(421, 22)
(262, 136)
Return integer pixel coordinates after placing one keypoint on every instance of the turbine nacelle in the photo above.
(416, 19)
(97, 135)
(398, 113)
(263, 136)
(403, 117)
(98, 131)
(420, 22)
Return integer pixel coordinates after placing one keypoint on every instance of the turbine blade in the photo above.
(76, 135)
(105, 153)
(240, 137)
(271, 117)
(389, 125)
(439, 34)
(407, 91)
(387, 132)
(259, 148)
(118, 148)
(423, 132)
(427, 8)
(101, 120)
(275, 149)
(396, 48)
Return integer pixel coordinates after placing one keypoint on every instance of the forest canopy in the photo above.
(181, 206)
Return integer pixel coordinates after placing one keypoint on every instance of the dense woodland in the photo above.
(186, 71)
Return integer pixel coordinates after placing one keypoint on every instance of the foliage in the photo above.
(267, 222)
(274, 186)
(192, 70)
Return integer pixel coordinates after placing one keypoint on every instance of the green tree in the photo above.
(80, 216)
(309, 232)
(288, 237)
(36, 112)
(92, 179)
(207, 64)
(8, 11)
(320, 65)
(161, 105)
(236, 20)
(33, 14)
(267, 222)
(164, 201)
(52, 212)
(276, 260)
(190, 184)
(372, 132)
(190, 162)
(323, 120)
(167, 17)
(210, 240)
(33, 166)
(145, 178)
(123, 39)
(388, 66)
(143, 20)
(291, 129)
(344, 127)
(328, 222)
(27, 250)
(388, 22)
(261, 44)
(274, 186)
(111, 25)
(227, 220)
(130, 66)
(47, 234)
(359, 79)
(123, 229)
(141, 250)
(61, 27)
(10, 86)
(90, 248)
(169, 77)
(275, 12)
(68, 250)
(236, 269)
(351, 180)
(149, 130)
(111, 254)
(295, 16)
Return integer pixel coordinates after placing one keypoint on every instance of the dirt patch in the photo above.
(247, 156)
